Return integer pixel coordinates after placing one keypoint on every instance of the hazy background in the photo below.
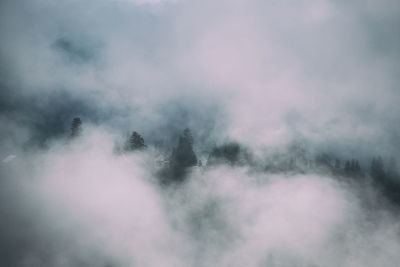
(263, 73)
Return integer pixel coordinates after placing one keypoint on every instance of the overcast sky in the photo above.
(261, 72)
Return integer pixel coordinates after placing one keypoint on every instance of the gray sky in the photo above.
(267, 71)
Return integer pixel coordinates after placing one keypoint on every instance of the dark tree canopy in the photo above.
(376, 170)
(383, 180)
(352, 168)
(227, 153)
(76, 127)
(182, 158)
(135, 142)
(183, 155)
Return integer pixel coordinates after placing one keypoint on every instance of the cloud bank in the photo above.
(82, 205)
(324, 70)
(265, 74)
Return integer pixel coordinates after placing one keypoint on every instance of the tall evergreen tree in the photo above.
(76, 127)
(376, 169)
(382, 179)
(187, 135)
(183, 155)
(392, 171)
(135, 142)
(181, 159)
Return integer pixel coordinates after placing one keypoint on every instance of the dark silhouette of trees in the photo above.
(183, 155)
(182, 158)
(384, 181)
(376, 169)
(227, 153)
(352, 168)
(298, 159)
(392, 171)
(135, 142)
(76, 127)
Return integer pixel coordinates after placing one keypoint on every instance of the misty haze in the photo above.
(199, 133)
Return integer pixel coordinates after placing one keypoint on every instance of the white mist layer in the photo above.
(324, 70)
(221, 216)
(258, 72)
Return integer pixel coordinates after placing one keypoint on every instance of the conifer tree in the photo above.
(376, 169)
(182, 158)
(76, 127)
(183, 155)
(135, 142)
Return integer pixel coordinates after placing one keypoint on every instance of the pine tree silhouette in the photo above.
(182, 158)
(76, 127)
(135, 142)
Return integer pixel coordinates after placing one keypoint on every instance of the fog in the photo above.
(81, 204)
(295, 84)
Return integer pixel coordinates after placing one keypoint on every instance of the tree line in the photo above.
(183, 157)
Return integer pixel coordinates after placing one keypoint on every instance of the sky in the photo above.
(262, 73)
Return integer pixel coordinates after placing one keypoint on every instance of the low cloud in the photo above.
(271, 77)
(87, 205)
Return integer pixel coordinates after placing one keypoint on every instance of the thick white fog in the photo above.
(293, 110)
(81, 204)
